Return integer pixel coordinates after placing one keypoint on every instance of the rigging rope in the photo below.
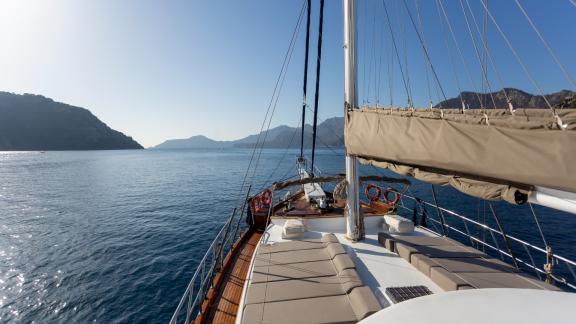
(317, 93)
(277, 86)
(305, 86)
(528, 74)
(397, 54)
(482, 67)
(424, 48)
(421, 30)
(550, 50)
(439, 7)
(489, 56)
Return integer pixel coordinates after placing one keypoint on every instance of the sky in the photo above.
(159, 70)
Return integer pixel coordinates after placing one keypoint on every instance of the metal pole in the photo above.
(309, 4)
(353, 220)
(504, 236)
(439, 212)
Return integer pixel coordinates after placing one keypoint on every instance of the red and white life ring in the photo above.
(368, 192)
(256, 204)
(396, 196)
(266, 197)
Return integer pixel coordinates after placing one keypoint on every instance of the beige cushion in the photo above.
(333, 249)
(293, 228)
(293, 271)
(504, 280)
(363, 302)
(405, 251)
(446, 280)
(329, 238)
(332, 309)
(448, 251)
(295, 289)
(472, 265)
(386, 240)
(288, 257)
(397, 224)
(423, 263)
(424, 240)
(343, 262)
(349, 279)
(291, 246)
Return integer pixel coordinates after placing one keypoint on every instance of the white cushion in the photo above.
(293, 228)
(399, 225)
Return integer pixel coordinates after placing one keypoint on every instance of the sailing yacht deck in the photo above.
(378, 268)
(265, 298)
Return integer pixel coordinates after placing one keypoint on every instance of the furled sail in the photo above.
(492, 154)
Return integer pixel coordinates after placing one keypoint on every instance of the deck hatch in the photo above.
(400, 294)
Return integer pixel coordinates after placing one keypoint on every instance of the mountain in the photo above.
(199, 141)
(331, 131)
(519, 99)
(330, 134)
(36, 123)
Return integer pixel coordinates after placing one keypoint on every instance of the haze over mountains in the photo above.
(36, 123)
(330, 134)
(331, 131)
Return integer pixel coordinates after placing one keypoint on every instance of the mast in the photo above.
(318, 65)
(350, 102)
(305, 83)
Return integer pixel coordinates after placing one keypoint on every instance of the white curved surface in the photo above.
(481, 306)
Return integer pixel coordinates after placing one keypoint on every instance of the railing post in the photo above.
(439, 212)
(504, 236)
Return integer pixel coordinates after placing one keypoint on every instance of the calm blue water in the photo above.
(114, 236)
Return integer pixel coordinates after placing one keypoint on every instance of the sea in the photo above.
(115, 236)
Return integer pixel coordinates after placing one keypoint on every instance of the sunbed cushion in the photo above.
(331, 309)
(363, 302)
(343, 262)
(446, 280)
(293, 271)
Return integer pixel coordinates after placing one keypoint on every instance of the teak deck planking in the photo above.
(223, 301)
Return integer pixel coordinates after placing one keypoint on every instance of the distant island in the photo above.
(519, 99)
(330, 134)
(331, 131)
(35, 123)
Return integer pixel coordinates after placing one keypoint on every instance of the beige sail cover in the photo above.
(491, 147)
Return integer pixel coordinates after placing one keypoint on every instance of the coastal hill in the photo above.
(519, 99)
(330, 132)
(329, 135)
(36, 123)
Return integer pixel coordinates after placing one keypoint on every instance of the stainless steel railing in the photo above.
(191, 302)
(520, 252)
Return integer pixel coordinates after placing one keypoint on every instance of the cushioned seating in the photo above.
(315, 285)
(397, 224)
(504, 280)
(293, 271)
(447, 280)
(303, 288)
(453, 266)
(351, 308)
(331, 309)
(293, 228)
(329, 251)
(292, 246)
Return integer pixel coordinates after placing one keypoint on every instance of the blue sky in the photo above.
(158, 70)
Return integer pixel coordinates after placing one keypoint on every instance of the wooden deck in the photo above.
(225, 298)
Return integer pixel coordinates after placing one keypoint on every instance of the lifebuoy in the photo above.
(256, 204)
(396, 196)
(368, 191)
(266, 197)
